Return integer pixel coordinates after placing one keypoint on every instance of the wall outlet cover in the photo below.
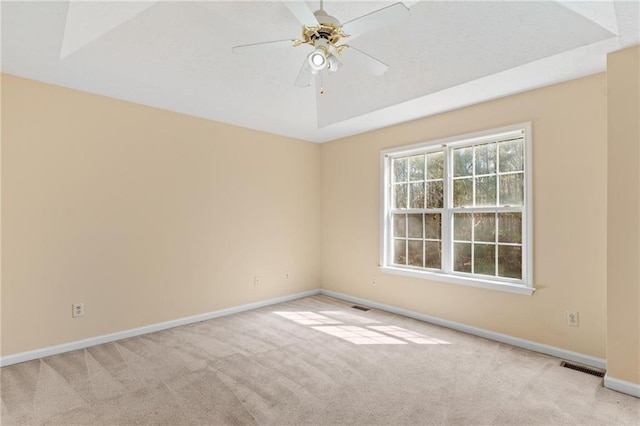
(573, 318)
(77, 310)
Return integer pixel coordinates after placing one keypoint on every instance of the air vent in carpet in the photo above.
(360, 308)
(582, 368)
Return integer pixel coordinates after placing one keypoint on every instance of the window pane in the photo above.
(435, 165)
(416, 196)
(399, 225)
(462, 192)
(416, 167)
(486, 191)
(511, 155)
(400, 196)
(433, 225)
(463, 161)
(462, 257)
(486, 159)
(432, 255)
(400, 170)
(484, 227)
(435, 195)
(415, 225)
(510, 261)
(510, 228)
(512, 189)
(416, 253)
(399, 252)
(484, 259)
(462, 226)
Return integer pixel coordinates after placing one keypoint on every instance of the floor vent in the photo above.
(588, 370)
(360, 308)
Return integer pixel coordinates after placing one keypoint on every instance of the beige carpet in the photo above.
(313, 361)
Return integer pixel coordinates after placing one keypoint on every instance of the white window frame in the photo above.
(446, 275)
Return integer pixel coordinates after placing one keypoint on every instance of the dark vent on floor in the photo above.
(360, 308)
(582, 368)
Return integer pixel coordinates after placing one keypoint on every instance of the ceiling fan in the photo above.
(323, 32)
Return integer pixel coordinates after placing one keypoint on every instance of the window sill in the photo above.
(451, 279)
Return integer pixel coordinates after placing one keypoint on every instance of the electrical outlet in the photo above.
(286, 276)
(373, 281)
(573, 319)
(77, 310)
(256, 281)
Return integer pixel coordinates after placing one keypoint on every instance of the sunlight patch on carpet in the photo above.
(343, 325)
(411, 336)
(359, 335)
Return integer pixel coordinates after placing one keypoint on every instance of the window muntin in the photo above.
(459, 207)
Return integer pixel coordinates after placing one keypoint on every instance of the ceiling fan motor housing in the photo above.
(328, 29)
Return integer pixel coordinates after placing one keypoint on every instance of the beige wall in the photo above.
(623, 287)
(147, 215)
(570, 225)
(144, 215)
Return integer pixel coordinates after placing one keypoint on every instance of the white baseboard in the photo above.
(609, 382)
(98, 340)
(499, 337)
(623, 386)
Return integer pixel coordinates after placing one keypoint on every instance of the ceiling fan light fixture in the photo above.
(318, 59)
(334, 63)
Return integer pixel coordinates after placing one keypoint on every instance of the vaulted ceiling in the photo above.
(177, 56)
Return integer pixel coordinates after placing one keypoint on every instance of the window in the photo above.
(458, 210)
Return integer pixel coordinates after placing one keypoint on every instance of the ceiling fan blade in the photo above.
(261, 47)
(364, 61)
(304, 76)
(301, 11)
(374, 20)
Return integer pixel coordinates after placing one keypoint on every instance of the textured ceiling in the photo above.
(177, 56)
